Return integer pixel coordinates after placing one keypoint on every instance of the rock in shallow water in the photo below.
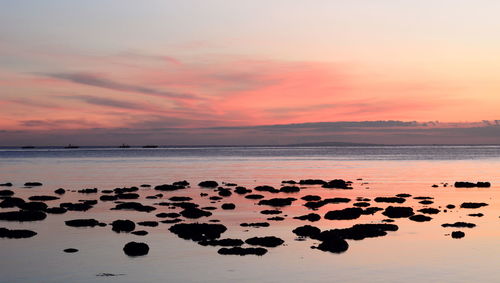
(16, 234)
(242, 251)
(136, 249)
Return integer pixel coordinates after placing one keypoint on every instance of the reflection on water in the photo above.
(414, 252)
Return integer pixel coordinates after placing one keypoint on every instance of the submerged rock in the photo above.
(242, 251)
(136, 249)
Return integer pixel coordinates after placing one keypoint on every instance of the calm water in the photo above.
(417, 252)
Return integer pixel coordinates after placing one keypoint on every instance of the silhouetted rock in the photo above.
(222, 242)
(136, 249)
(254, 196)
(371, 210)
(267, 211)
(403, 195)
(82, 223)
(242, 251)
(33, 184)
(171, 221)
(6, 184)
(134, 206)
(123, 226)
(215, 198)
(9, 202)
(311, 198)
(289, 189)
(337, 184)
(208, 184)
(34, 205)
(312, 182)
(168, 215)
(457, 234)
(269, 241)
(76, 206)
(390, 199)
(277, 201)
(361, 204)
(70, 250)
(176, 198)
(333, 245)
(398, 212)
(450, 206)
(42, 198)
(275, 218)
(224, 192)
(292, 182)
(16, 234)
(266, 188)
(88, 191)
(472, 185)
(195, 213)
(473, 204)
(168, 187)
(6, 193)
(307, 231)
(108, 198)
(140, 233)
(56, 210)
(309, 217)
(198, 231)
(128, 196)
(228, 206)
(209, 208)
(476, 214)
(426, 202)
(23, 215)
(256, 224)
(242, 190)
(420, 218)
(145, 186)
(358, 232)
(423, 198)
(459, 225)
(344, 214)
(125, 190)
(429, 210)
(148, 223)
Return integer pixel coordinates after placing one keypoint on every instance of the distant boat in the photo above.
(27, 147)
(124, 146)
(150, 146)
(71, 146)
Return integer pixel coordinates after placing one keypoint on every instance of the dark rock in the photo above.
(123, 226)
(266, 189)
(333, 245)
(82, 223)
(176, 198)
(134, 206)
(426, 202)
(6, 185)
(398, 212)
(171, 221)
(429, 210)
(371, 210)
(361, 204)
(231, 184)
(9, 202)
(289, 189)
(136, 249)
(40, 206)
(242, 190)
(167, 187)
(267, 212)
(70, 250)
(450, 206)
(459, 225)
(307, 231)
(309, 217)
(215, 198)
(473, 204)
(228, 206)
(198, 231)
(269, 241)
(75, 206)
(145, 186)
(476, 214)
(88, 191)
(6, 193)
(256, 224)
(344, 214)
(358, 232)
(168, 215)
(148, 223)
(403, 195)
(108, 198)
(125, 190)
(42, 198)
(89, 201)
(420, 218)
(209, 208)
(140, 233)
(311, 198)
(195, 213)
(312, 182)
(128, 196)
(472, 185)
(23, 215)
(457, 234)
(278, 202)
(33, 184)
(107, 191)
(390, 199)
(423, 198)
(56, 210)
(292, 182)
(224, 192)
(242, 251)
(276, 218)
(337, 184)
(222, 242)
(208, 184)
(16, 234)
(254, 196)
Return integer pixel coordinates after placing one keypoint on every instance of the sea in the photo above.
(416, 252)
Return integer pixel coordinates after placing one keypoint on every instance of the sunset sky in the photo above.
(249, 72)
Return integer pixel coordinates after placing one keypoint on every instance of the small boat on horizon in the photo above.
(124, 146)
(150, 146)
(71, 146)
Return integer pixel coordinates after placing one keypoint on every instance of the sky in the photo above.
(104, 72)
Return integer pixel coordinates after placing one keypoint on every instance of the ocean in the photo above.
(416, 252)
